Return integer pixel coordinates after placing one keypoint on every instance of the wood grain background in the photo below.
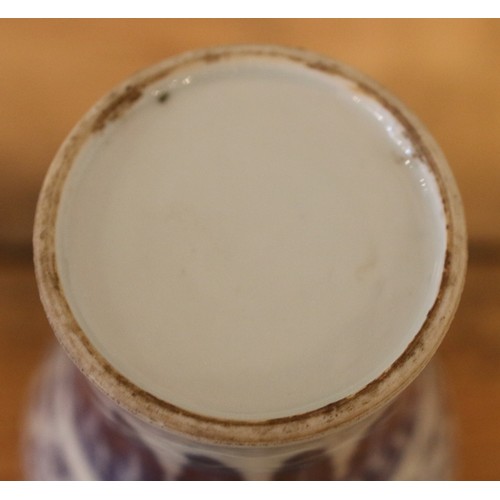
(446, 71)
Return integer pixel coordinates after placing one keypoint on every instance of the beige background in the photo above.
(447, 72)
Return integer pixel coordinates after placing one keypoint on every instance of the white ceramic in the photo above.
(250, 247)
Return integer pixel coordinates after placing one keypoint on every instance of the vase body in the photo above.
(76, 433)
(94, 416)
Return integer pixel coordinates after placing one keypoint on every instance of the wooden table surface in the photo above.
(446, 71)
